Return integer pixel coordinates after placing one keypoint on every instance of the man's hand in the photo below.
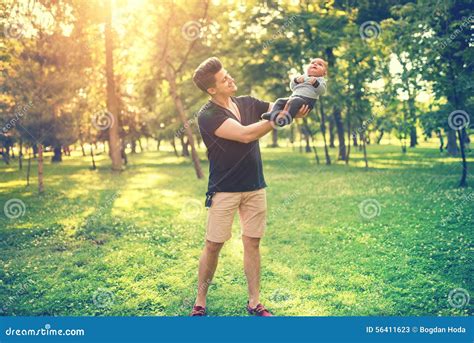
(303, 112)
(312, 80)
(300, 79)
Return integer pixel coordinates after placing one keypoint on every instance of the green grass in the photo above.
(102, 244)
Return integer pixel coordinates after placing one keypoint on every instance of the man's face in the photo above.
(317, 67)
(225, 84)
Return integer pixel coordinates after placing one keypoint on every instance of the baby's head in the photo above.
(317, 67)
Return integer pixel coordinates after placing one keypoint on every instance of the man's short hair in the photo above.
(204, 74)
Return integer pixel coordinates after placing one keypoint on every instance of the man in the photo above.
(230, 128)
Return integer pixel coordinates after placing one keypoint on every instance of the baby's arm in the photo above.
(321, 88)
(296, 80)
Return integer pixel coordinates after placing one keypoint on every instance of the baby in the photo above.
(306, 89)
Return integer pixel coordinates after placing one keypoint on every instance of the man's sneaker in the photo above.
(198, 311)
(259, 311)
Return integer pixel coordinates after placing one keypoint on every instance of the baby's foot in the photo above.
(282, 118)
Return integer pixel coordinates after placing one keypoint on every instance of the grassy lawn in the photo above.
(102, 244)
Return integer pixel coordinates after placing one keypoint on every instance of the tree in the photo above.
(112, 101)
(448, 63)
(406, 46)
(47, 64)
(172, 58)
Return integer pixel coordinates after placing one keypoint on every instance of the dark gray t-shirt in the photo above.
(233, 166)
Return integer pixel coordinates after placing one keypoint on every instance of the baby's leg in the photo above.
(295, 105)
(278, 106)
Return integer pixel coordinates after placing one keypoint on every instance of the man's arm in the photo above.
(231, 129)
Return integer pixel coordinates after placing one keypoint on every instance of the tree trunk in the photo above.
(467, 140)
(140, 144)
(455, 99)
(323, 131)
(306, 139)
(300, 146)
(336, 113)
(413, 138)
(316, 154)
(57, 156)
(354, 139)
(20, 158)
(410, 104)
(404, 146)
(379, 138)
(40, 169)
(35, 150)
(198, 140)
(340, 133)
(92, 158)
(28, 170)
(348, 140)
(292, 137)
(452, 146)
(274, 139)
(173, 144)
(6, 155)
(158, 143)
(313, 141)
(83, 150)
(463, 182)
(331, 131)
(307, 134)
(171, 78)
(112, 101)
(123, 153)
(364, 148)
(441, 140)
(184, 147)
(133, 146)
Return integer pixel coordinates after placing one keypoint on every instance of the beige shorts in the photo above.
(252, 208)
